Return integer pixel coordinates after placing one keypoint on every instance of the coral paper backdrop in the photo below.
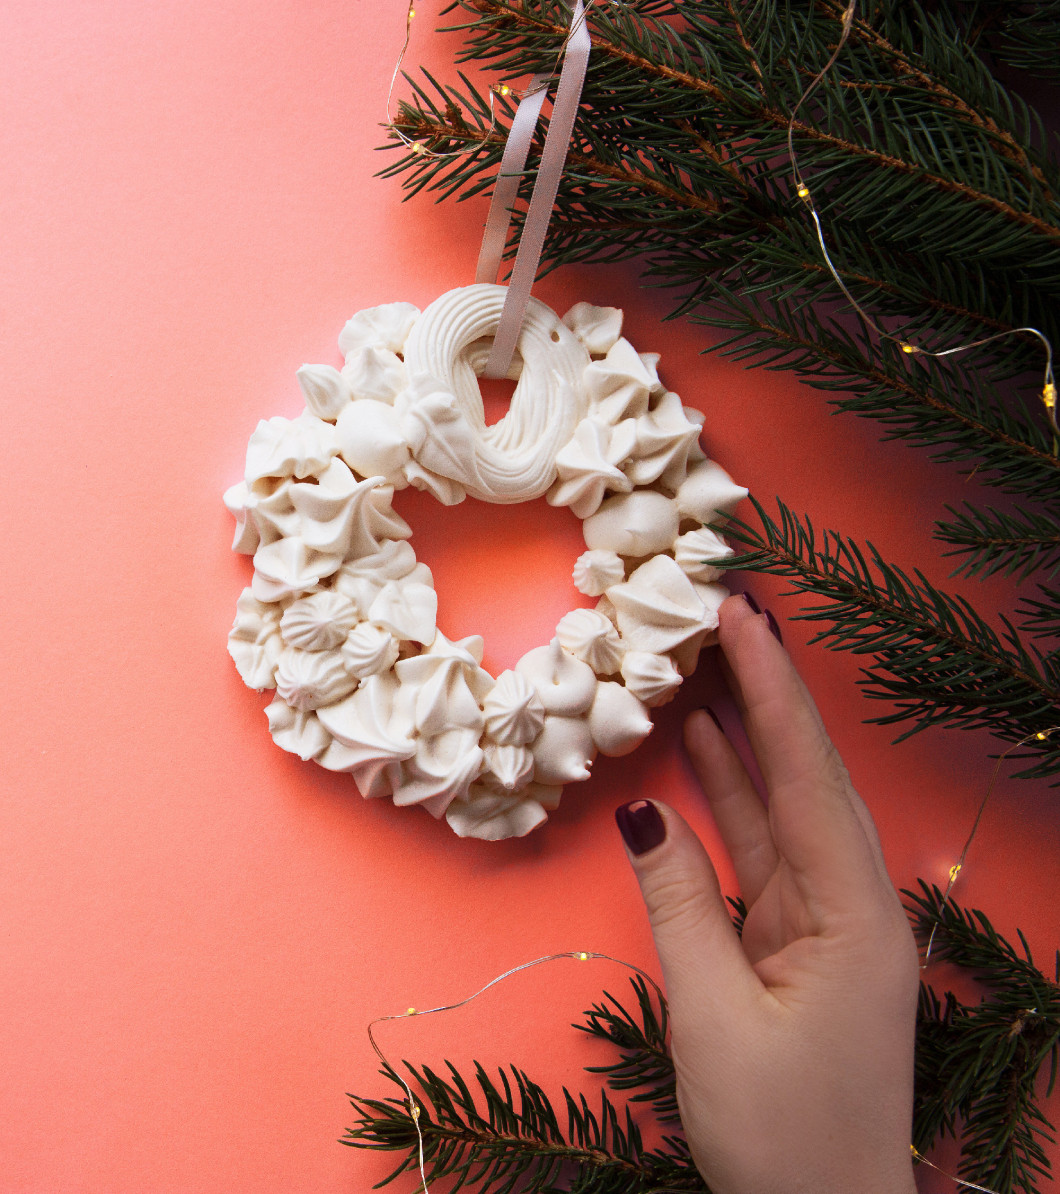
(195, 926)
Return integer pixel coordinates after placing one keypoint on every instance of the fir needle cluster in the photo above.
(941, 205)
(982, 1071)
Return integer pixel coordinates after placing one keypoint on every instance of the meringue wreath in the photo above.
(339, 618)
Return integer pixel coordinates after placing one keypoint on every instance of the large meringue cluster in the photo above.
(340, 617)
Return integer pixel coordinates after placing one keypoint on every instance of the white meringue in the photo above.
(344, 516)
(513, 711)
(512, 767)
(565, 685)
(442, 769)
(596, 327)
(374, 373)
(493, 815)
(618, 721)
(596, 571)
(288, 568)
(697, 551)
(325, 391)
(563, 751)
(295, 730)
(618, 386)
(239, 503)
(308, 679)
(369, 649)
(254, 641)
(658, 608)
(442, 689)
(651, 678)
(588, 465)
(708, 493)
(386, 326)
(407, 610)
(591, 637)
(371, 441)
(368, 738)
(280, 447)
(633, 524)
(320, 622)
(513, 460)
(362, 578)
(664, 437)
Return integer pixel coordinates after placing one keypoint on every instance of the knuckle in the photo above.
(674, 902)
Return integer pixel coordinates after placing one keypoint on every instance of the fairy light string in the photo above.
(411, 1101)
(907, 346)
(958, 866)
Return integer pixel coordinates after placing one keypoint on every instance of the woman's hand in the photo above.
(793, 1046)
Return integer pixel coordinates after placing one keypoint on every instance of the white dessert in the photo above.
(596, 571)
(341, 619)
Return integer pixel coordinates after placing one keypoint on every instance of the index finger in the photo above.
(816, 825)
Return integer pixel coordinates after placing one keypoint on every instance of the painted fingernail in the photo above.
(641, 826)
(749, 598)
(771, 622)
(714, 717)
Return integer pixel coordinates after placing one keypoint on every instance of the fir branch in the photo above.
(992, 541)
(516, 1141)
(978, 1066)
(644, 1062)
(935, 657)
(1041, 619)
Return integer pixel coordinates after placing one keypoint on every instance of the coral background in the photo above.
(195, 926)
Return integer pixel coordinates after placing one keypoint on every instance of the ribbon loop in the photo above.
(546, 186)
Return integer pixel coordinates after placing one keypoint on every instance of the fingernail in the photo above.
(771, 622)
(752, 603)
(714, 717)
(641, 826)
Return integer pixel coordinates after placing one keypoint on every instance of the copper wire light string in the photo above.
(802, 190)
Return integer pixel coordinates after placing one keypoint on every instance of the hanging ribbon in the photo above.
(550, 170)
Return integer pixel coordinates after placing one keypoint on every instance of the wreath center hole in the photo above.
(503, 572)
(496, 397)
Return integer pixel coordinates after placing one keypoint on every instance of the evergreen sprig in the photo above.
(644, 1062)
(940, 201)
(982, 1071)
(516, 1140)
(934, 656)
(978, 1066)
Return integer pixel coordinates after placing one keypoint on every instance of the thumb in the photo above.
(703, 963)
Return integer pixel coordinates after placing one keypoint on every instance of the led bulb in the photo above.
(504, 89)
(583, 957)
(955, 870)
(909, 348)
(803, 192)
(1049, 395)
(411, 1011)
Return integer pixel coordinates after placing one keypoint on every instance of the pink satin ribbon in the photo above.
(550, 170)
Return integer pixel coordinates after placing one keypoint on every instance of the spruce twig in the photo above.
(934, 655)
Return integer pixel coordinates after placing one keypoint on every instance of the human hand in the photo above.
(793, 1046)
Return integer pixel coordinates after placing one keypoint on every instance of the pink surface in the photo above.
(196, 927)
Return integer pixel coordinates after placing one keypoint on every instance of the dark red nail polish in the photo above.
(771, 622)
(749, 598)
(641, 826)
(713, 717)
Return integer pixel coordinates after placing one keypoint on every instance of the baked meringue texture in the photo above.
(340, 618)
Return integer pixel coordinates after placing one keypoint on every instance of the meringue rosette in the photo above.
(340, 619)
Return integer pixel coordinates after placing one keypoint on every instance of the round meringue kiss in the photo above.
(565, 685)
